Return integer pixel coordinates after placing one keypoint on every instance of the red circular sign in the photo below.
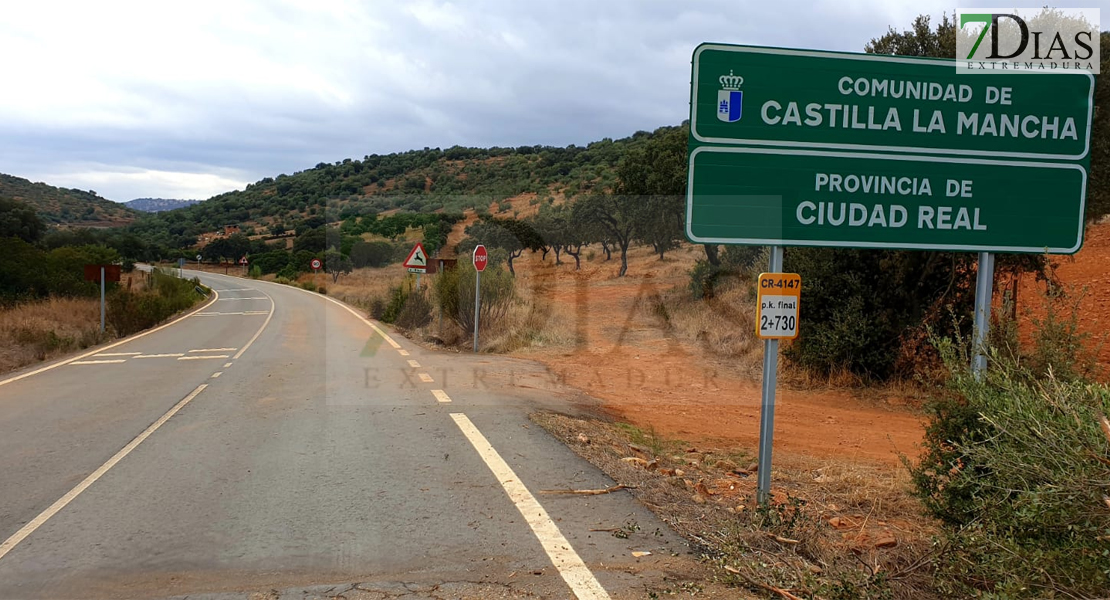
(316, 264)
(481, 258)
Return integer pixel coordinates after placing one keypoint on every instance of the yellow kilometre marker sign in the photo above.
(777, 306)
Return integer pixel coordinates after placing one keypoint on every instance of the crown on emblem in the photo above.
(731, 82)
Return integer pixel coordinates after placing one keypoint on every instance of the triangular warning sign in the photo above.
(417, 258)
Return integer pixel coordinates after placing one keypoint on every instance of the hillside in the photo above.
(428, 180)
(154, 205)
(60, 206)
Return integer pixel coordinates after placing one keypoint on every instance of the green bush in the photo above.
(1017, 466)
(397, 296)
(454, 295)
(255, 272)
(416, 312)
(377, 308)
(703, 279)
(130, 312)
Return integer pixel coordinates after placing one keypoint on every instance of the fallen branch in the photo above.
(782, 540)
(609, 490)
(769, 588)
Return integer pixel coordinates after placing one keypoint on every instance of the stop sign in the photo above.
(481, 258)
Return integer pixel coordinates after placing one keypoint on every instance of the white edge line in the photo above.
(214, 350)
(99, 362)
(215, 296)
(61, 503)
(574, 572)
(273, 305)
(117, 354)
(203, 357)
(369, 323)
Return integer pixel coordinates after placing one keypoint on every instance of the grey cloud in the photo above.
(395, 76)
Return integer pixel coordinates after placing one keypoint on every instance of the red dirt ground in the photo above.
(657, 382)
(644, 376)
(1087, 273)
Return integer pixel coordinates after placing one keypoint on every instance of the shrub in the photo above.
(454, 295)
(255, 272)
(416, 312)
(130, 312)
(377, 308)
(703, 279)
(1017, 465)
(397, 296)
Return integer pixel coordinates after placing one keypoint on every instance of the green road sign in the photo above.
(797, 197)
(808, 148)
(808, 99)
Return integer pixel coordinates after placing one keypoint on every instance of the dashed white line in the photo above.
(575, 572)
(116, 354)
(414, 364)
(425, 378)
(441, 396)
(61, 503)
(169, 355)
(214, 350)
(203, 357)
(221, 314)
(226, 365)
(217, 374)
(403, 352)
(216, 296)
(99, 362)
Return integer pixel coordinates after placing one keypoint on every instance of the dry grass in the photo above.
(832, 529)
(363, 285)
(36, 331)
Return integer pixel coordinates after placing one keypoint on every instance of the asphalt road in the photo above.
(274, 442)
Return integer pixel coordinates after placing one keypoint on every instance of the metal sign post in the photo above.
(767, 407)
(480, 258)
(101, 298)
(984, 290)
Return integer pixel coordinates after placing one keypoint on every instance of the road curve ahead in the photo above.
(274, 439)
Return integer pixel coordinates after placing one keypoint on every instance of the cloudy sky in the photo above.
(190, 99)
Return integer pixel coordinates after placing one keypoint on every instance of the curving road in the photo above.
(274, 442)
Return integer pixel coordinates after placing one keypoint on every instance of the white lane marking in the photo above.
(403, 352)
(425, 378)
(441, 396)
(99, 362)
(226, 365)
(215, 296)
(170, 355)
(214, 350)
(217, 374)
(369, 323)
(575, 572)
(203, 357)
(269, 315)
(414, 364)
(224, 314)
(117, 354)
(61, 503)
(234, 289)
(273, 305)
(251, 298)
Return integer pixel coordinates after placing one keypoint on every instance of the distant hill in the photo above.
(154, 205)
(60, 206)
(419, 181)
